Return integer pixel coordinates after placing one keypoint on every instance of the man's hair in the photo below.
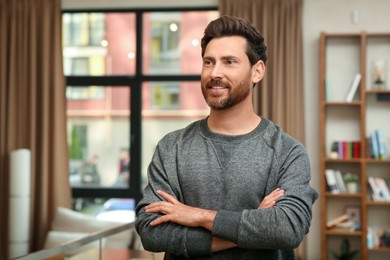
(234, 26)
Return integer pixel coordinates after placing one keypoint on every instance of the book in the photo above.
(345, 150)
(331, 181)
(346, 225)
(327, 91)
(374, 146)
(356, 149)
(375, 191)
(353, 87)
(383, 188)
(380, 143)
(340, 150)
(340, 181)
(368, 148)
(338, 220)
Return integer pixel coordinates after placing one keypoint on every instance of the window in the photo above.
(164, 41)
(165, 96)
(93, 92)
(83, 29)
(98, 44)
(123, 98)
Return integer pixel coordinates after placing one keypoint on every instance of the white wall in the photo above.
(330, 16)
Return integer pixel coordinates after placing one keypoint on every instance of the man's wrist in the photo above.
(219, 244)
(207, 218)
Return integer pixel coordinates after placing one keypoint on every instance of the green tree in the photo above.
(75, 148)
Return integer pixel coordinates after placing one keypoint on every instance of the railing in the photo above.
(77, 243)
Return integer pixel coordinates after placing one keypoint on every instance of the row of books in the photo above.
(338, 182)
(345, 150)
(376, 147)
(379, 189)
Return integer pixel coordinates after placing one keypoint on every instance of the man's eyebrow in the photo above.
(208, 58)
(228, 57)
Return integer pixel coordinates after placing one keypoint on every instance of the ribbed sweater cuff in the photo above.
(198, 242)
(226, 225)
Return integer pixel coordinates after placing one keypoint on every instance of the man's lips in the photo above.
(217, 87)
(217, 90)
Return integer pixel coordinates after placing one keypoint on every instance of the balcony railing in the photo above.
(77, 243)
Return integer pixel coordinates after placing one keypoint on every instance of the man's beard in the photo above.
(234, 96)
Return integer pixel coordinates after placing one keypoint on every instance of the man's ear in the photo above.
(258, 71)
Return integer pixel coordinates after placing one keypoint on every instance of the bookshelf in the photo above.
(342, 57)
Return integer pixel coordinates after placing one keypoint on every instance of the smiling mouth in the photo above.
(217, 87)
(217, 84)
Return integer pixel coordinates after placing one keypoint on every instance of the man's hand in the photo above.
(270, 200)
(177, 212)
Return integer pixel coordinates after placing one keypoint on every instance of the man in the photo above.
(233, 185)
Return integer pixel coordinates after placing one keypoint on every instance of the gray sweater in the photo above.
(187, 164)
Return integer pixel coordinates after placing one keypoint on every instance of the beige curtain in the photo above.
(33, 110)
(280, 96)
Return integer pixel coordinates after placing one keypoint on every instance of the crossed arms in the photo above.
(179, 213)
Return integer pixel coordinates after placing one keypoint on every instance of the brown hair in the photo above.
(234, 26)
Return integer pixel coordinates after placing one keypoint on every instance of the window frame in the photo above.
(134, 82)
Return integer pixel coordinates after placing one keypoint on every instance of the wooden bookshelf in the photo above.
(342, 55)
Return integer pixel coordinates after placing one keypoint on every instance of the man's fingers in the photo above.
(159, 220)
(270, 200)
(275, 194)
(162, 206)
(167, 196)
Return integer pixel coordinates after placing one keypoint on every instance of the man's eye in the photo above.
(231, 62)
(206, 62)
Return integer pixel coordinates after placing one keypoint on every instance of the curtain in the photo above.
(280, 95)
(33, 110)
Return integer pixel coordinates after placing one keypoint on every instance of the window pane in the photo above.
(99, 43)
(98, 136)
(171, 41)
(187, 105)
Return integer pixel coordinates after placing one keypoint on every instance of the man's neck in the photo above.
(233, 121)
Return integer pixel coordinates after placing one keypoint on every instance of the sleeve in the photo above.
(167, 237)
(285, 225)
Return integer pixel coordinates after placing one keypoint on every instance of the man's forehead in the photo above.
(226, 46)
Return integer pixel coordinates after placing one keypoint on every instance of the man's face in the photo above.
(227, 75)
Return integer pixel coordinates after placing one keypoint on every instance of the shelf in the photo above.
(343, 195)
(334, 232)
(342, 55)
(379, 249)
(378, 203)
(342, 35)
(379, 161)
(342, 103)
(378, 91)
(356, 160)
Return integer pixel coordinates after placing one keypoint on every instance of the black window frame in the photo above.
(134, 82)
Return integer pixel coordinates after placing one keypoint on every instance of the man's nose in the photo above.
(217, 71)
